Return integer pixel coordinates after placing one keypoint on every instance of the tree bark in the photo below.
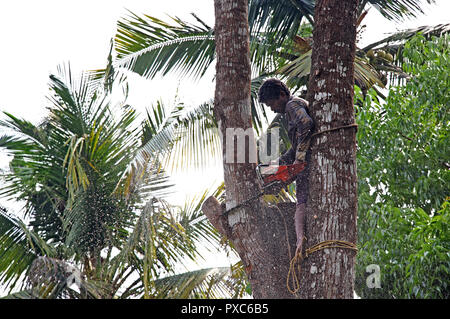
(264, 237)
(257, 233)
(332, 201)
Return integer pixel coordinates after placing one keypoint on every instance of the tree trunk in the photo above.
(265, 237)
(258, 233)
(332, 201)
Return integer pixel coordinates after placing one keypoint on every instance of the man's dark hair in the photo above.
(270, 90)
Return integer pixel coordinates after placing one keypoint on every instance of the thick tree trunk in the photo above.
(332, 202)
(258, 233)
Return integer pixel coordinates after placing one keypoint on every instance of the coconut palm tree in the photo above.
(147, 45)
(279, 45)
(97, 222)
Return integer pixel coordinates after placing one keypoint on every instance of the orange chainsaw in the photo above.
(270, 176)
(277, 174)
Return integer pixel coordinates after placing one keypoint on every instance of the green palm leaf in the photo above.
(283, 18)
(147, 45)
(197, 141)
(181, 138)
(196, 226)
(397, 39)
(393, 45)
(398, 9)
(280, 19)
(297, 70)
(200, 284)
(24, 294)
(19, 247)
(188, 137)
(365, 75)
(161, 237)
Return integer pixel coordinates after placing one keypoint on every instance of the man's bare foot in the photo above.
(300, 226)
(299, 249)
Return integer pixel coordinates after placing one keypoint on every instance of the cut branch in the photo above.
(214, 212)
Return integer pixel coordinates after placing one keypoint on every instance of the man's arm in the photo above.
(287, 158)
(304, 123)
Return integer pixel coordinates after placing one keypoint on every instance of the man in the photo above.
(277, 96)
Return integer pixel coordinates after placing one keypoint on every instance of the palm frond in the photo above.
(144, 172)
(147, 45)
(156, 224)
(365, 75)
(161, 237)
(159, 128)
(144, 178)
(280, 19)
(72, 100)
(19, 247)
(196, 226)
(181, 138)
(397, 39)
(23, 294)
(397, 10)
(97, 135)
(200, 284)
(52, 278)
(22, 128)
(197, 141)
(103, 79)
(298, 70)
(194, 134)
(392, 47)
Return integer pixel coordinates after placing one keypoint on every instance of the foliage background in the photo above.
(404, 178)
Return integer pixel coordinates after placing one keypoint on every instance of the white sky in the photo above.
(36, 36)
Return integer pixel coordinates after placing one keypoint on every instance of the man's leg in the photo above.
(300, 224)
(300, 210)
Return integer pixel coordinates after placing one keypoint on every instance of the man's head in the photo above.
(274, 94)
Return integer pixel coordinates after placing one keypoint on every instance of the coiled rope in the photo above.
(298, 258)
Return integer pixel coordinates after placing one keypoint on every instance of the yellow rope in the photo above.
(295, 283)
(299, 257)
(331, 244)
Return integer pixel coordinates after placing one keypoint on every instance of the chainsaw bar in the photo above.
(283, 173)
(270, 175)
